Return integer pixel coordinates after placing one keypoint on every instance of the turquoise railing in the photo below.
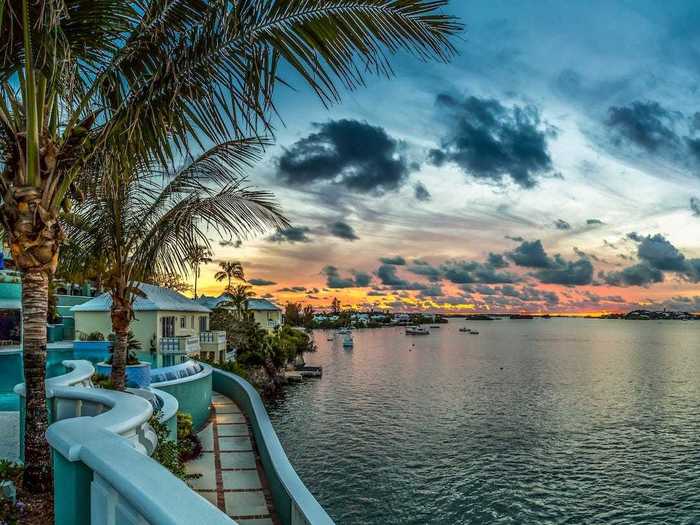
(101, 476)
(294, 504)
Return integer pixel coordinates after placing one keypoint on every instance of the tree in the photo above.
(292, 314)
(172, 281)
(335, 306)
(146, 81)
(198, 256)
(146, 222)
(238, 298)
(230, 270)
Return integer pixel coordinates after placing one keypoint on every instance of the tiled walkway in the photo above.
(232, 477)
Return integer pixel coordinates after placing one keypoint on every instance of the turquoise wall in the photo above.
(193, 396)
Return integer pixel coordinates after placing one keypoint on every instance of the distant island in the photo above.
(649, 315)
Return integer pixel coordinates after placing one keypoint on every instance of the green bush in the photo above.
(92, 336)
(167, 452)
(230, 366)
(188, 442)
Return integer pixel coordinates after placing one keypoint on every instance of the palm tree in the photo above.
(230, 270)
(146, 221)
(199, 255)
(238, 297)
(148, 81)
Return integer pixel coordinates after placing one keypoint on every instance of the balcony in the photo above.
(213, 345)
(183, 344)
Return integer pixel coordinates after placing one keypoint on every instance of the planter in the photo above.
(137, 376)
(94, 351)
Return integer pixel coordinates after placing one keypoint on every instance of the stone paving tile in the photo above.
(237, 460)
(235, 443)
(203, 465)
(246, 504)
(255, 521)
(228, 409)
(210, 496)
(241, 479)
(230, 418)
(232, 430)
(206, 436)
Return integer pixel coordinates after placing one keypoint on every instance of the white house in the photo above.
(168, 325)
(264, 312)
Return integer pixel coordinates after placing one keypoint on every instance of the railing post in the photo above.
(71, 491)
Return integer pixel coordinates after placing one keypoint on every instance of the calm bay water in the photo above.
(539, 421)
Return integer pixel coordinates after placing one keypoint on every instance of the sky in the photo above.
(552, 166)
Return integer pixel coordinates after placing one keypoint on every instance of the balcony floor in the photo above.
(232, 476)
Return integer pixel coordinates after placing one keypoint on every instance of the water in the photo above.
(560, 421)
(11, 372)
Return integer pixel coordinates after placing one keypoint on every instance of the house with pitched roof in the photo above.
(169, 326)
(266, 313)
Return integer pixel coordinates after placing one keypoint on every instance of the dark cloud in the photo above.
(570, 273)
(342, 230)
(480, 289)
(291, 235)
(634, 236)
(397, 260)
(695, 206)
(516, 239)
(638, 275)
(349, 153)
(434, 290)
(235, 244)
(560, 224)
(661, 254)
(496, 260)
(530, 254)
(261, 282)
(645, 124)
(335, 280)
(491, 142)
(387, 276)
(294, 289)
(529, 294)
(594, 222)
(362, 279)
(465, 272)
(426, 270)
(421, 192)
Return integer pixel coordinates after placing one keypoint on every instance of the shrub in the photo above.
(11, 512)
(92, 336)
(132, 345)
(167, 452)
(100, 381)
(188, 442)
(229, 366)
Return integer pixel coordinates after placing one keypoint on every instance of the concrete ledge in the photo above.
(293, 501)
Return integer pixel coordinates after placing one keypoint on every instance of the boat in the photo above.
(347, 341)
(343, 331)
(469, 331)
(473, 332)
(465, 330)
(417, 330)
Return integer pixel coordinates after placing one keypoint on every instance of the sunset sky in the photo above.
(553, 165)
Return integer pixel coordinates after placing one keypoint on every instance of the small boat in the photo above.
(343, 331)
(467, 330)
(331, 338)
(417, 330)
(347, 341)
(473, 332)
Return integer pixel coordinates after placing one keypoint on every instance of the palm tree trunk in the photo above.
(37, 457)
(121, 316)
(196, 275)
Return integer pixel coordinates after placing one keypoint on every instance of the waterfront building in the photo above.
(169, 326)
(266, 313)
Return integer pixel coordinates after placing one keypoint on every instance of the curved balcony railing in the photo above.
(80, 373)
(294, 504)
(103, 475)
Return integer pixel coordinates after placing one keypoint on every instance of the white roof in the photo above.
(157, 299)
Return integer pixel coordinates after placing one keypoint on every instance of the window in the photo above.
(167, 326)
(203, 323)
(183, 322)
(192, 322)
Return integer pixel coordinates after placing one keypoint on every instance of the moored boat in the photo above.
(347, 341)
(417, 330)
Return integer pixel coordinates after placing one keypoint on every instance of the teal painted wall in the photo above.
(71, 491)
(194, 397)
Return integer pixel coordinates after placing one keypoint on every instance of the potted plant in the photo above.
(138, 373)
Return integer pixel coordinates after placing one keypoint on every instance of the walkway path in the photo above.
(232, 476)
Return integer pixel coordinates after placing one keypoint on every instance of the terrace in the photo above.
(102, 442)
